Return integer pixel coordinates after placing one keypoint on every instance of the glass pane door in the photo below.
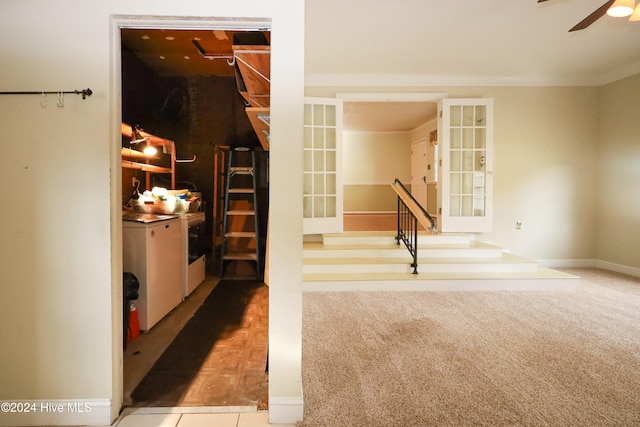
(466, 126)
(322, 197)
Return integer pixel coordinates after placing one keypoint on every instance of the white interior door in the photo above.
(323, 195)
(419, 164)
(465, 199)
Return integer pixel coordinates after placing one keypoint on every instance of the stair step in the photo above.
(473, 249)
(388, 237)
(506, 263)
(544, 279)
(374, 261)
(241, 234)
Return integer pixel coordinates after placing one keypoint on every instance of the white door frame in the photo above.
(434, 97)
(145, 22)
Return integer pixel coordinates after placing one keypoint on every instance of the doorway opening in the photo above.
(191, 98)
(381, 131)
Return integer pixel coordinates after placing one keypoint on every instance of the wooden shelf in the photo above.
(144, 167)
(259, 118)
(129, 155)
(253, 78)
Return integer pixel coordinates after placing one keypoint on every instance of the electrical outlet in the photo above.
(518, 225)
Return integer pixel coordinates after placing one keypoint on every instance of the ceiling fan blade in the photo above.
(542, 1)
(597, 14)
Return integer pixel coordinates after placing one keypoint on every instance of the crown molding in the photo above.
(620, 73)
(432, 80)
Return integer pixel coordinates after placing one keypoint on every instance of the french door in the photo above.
(322, 195)
(465, 199)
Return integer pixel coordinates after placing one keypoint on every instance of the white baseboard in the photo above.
(619, 268)
(285, 410)
(56, 412)
(591, 263)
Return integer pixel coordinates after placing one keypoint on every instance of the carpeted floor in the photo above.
(475, 358)
(219, 357)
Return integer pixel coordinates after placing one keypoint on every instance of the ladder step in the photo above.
(247, 234)
(241, 190)
(241, 256)
(241, 212)
(241, 170)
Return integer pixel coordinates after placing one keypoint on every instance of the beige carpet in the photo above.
(475, 358)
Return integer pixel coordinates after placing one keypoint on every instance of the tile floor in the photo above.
(194, 417)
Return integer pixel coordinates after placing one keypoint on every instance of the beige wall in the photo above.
(618, 221)
(60, 245)
(546, 142)
(370, 198)
(372, 160)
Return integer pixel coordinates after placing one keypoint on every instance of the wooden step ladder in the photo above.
(240, 230)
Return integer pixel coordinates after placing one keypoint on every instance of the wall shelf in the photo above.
(259, 118)
(144, 167)
(129, 155)
(253, 78)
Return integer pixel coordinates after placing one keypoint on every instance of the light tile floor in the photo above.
(193, 417)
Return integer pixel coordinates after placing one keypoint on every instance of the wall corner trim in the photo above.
(285, 410)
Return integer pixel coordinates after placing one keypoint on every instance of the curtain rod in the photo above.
(83, 92)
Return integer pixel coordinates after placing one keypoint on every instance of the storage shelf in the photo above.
(129, 155)
(145, 167)
(253, 77)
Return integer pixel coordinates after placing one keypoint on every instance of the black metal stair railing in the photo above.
(410, 212)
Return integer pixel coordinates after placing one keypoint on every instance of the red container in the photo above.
(134, 324)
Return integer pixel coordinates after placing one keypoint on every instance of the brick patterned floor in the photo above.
(219, 357)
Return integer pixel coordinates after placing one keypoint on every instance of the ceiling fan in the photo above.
(615, 8)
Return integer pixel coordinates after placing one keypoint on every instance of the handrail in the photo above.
(410, 212)
(426, 220)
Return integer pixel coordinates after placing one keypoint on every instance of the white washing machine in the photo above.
(193, 251)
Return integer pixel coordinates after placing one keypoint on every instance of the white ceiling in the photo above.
(459, 42)
(467, 41)
(386, 116)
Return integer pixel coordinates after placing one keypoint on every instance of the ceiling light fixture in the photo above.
(621, 8)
